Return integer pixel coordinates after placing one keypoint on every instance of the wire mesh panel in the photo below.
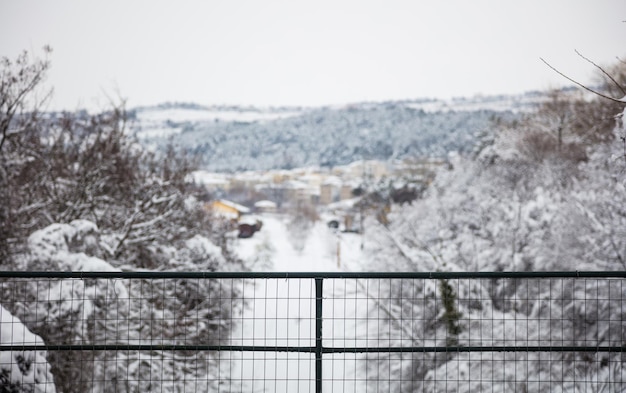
(312, 332)
(118, 335)
(279, 315)
(461, 335)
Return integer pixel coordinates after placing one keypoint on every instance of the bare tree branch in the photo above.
(603, 71)
(581, 85)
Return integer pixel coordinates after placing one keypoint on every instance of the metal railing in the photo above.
(435, 331)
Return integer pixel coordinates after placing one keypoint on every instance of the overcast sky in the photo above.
(290, 52)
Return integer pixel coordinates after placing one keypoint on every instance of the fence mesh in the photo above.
(287, 332)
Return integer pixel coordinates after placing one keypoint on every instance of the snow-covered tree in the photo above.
(546, 193)
(20, 80)
(83, 195)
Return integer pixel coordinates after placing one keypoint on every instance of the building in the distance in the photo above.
(228, 209)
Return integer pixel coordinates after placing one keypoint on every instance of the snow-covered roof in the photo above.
(296, 185)
(345, 204)
(332, 181)
(204, 177)
(236, 206)
(265, 204)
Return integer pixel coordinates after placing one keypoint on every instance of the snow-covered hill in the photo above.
(246, 138)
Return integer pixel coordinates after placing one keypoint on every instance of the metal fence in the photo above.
(312, 332)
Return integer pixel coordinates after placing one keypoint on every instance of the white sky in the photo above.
(290, 52)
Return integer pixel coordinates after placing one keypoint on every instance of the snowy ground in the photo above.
(282, 312)
(319, 252)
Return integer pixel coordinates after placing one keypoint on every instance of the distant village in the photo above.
(337, 195)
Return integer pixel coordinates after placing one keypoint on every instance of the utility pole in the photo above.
(338, 250)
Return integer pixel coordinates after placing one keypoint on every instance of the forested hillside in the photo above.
(233, 139)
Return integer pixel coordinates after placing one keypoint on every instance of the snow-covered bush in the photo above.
(102, 311)
(22, 371)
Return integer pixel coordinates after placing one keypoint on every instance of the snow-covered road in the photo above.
(282, 312)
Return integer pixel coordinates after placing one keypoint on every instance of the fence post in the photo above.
(318, 334)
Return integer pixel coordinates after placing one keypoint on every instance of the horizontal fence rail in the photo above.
(300, 331)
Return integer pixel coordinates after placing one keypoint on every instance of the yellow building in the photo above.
(228, 209)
